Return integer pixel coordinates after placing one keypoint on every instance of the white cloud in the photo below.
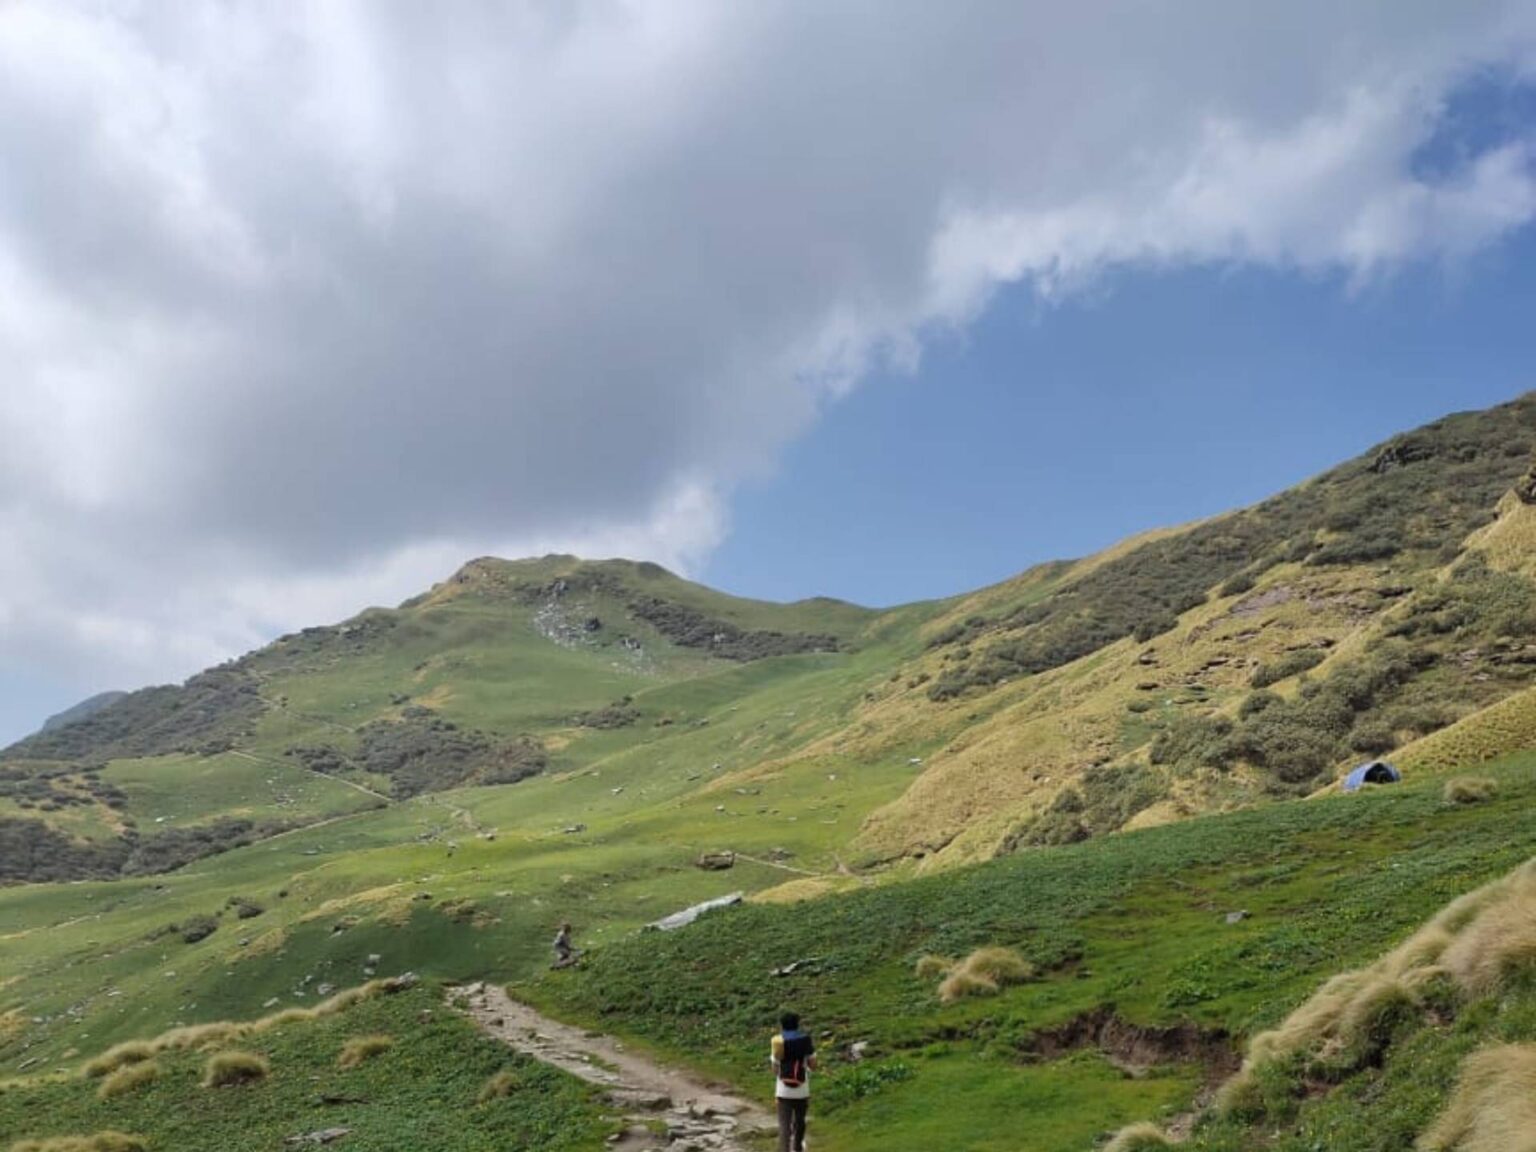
(302, 305)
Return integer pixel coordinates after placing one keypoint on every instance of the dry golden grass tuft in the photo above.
(1494, 1105)
(1472, 945)
(12, 1025)
(499, 1085)
(119, 1056)
(1138, 1138)
(934, 967)
(201, 1037)
(983, 973)
(128, 1078)
(108, 1141)
(229, 1068)
(1470, 789)
(963, 985)
(363, 1048)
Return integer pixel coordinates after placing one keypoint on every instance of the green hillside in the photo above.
(432, 787)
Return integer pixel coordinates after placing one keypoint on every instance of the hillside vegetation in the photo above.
(434, 786)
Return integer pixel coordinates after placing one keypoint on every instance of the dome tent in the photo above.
(1373, 772)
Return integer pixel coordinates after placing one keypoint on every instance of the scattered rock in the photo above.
(716, 861)
(858, 1051)
(1237, 917)
(791, 969)
(323, 1136)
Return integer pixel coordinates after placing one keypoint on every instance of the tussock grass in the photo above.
(1469, 949)
(362, 1048)
(1494, 1105)
(1470, 789)
(983, 973)
(12, 1024)
(201, 1037)
(108, 1141)
(963, 985)
(1138, 1138)
(128, 1078)
(119, 1056)
(228, 1068)
(499, 1085)
(933, 967)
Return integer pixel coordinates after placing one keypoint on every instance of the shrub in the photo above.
(127, 1078)
(1470, 789)
(1291, 664)
(361, 1048)
(197, 928)
(502, 1084)
(1155, 626)
(245, 908)
(1237, 585)
(1256, 702)
(229, 1068)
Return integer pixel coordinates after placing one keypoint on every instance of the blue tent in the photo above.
(1376, 772)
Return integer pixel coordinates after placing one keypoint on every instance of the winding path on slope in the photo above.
(693, 1115)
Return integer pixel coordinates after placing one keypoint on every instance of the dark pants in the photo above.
(792, 1125)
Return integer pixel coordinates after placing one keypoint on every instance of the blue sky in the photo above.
(301, 306)
(1050, 431)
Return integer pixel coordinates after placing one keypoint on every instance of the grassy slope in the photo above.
(1135, 922)
(422, 1093)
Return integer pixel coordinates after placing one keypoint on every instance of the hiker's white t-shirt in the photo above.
(781, 1090)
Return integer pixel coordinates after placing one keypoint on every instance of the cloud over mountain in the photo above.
(301, 305)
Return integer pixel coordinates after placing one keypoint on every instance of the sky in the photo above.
(303, 305)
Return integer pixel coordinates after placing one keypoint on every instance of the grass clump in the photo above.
(217, 1034)
(983, 973)
(128, 1078)
(108, 1141)
(1494, 1105)
(363, 1048)
(1470, 950)
(933, 967)
(120, 1056)
(1138, 1138)
(502, 1084)
(225, 1069)
(1470, 789)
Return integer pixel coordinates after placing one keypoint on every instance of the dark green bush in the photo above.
(1288, 665)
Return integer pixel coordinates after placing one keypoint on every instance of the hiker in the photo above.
(565, 954)
(793, 1055)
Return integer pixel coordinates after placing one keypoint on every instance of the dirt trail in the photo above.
(664, 1108)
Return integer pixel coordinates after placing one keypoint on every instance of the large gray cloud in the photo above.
(301, 304)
